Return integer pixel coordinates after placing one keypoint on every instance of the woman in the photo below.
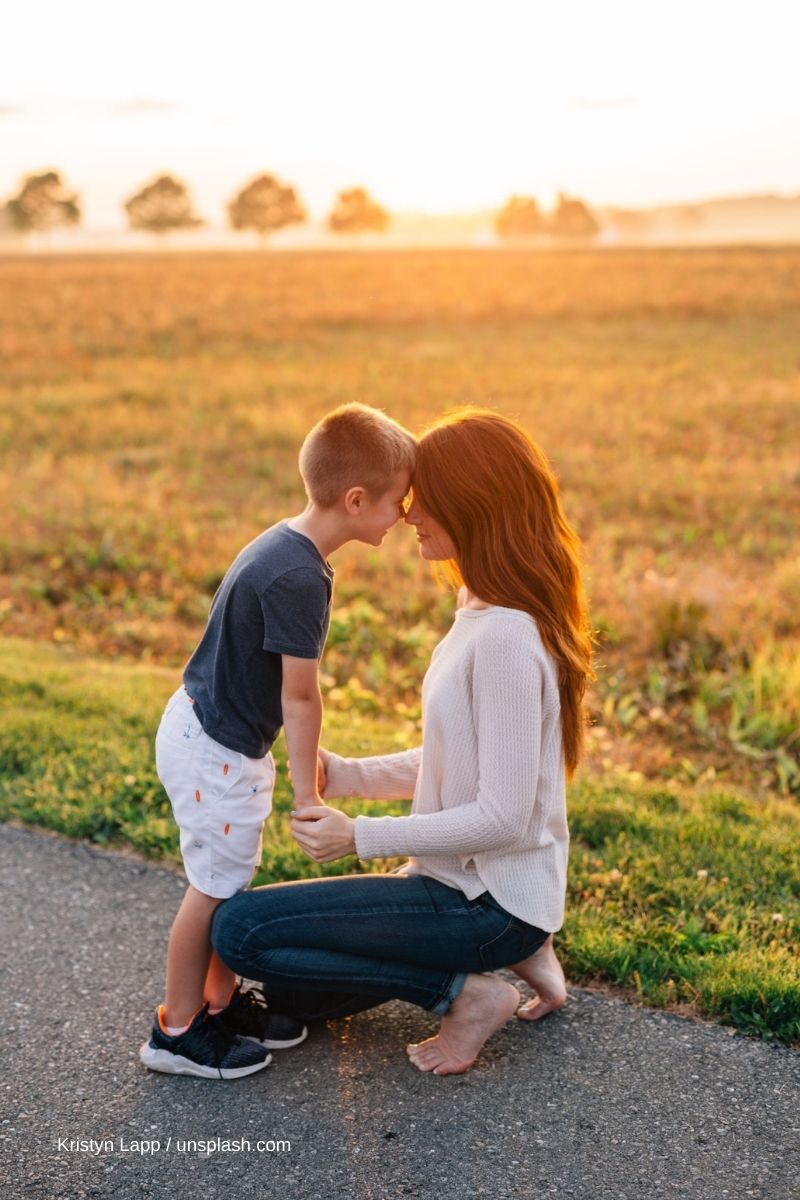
(487, 835)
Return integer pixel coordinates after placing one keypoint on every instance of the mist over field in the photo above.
(728, 220)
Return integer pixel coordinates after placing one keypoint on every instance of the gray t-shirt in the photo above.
(275, 599)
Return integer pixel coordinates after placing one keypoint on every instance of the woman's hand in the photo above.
(325, 834)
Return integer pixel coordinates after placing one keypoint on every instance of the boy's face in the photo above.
(378, 516)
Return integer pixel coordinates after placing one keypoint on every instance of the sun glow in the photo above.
(441, 107)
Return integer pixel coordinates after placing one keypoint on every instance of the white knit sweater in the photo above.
(489, 811)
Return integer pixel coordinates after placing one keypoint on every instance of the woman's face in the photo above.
(434, 543)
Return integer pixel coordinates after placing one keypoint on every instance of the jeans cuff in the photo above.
(448, 994)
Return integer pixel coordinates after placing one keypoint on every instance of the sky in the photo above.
(435, 106)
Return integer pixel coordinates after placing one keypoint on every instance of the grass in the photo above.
(689, 897)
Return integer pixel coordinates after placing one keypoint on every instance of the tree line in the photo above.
(265, 204)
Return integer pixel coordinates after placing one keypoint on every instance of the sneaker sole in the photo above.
(272, 1044)
(174, 1064)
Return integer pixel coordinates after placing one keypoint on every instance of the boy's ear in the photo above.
(354, 500)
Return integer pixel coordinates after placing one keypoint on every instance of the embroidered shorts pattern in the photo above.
(220, 799)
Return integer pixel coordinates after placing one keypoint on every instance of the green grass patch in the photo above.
(76, 755)
(689, 897)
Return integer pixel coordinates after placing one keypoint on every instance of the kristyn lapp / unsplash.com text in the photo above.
(176, 1145)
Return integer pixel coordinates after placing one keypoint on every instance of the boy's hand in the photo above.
(301, 704)
(324, 834)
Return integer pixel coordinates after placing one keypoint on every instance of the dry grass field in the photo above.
(151, 410)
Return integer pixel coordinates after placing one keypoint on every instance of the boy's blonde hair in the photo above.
(354, 446)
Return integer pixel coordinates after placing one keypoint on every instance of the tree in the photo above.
(161, 206)
(42, 203)
(572, 218)
(519, 217)
(266, 205)
(356, 212)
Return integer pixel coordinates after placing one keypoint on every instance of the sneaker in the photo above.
(206, 1049)
(248, 1015)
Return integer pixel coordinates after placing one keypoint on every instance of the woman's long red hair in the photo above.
(487, 483)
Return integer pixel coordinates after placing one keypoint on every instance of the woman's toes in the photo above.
(426, 1055)
(483, 1005)
(538, 1007)
(432, 1056)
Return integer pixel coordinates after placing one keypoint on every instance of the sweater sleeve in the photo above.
(380, 777)
(508, 682)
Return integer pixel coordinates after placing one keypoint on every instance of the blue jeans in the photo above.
(326, 948)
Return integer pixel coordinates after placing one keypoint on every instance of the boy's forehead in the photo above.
(401, 481)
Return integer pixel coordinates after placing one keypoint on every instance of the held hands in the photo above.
(324, 833)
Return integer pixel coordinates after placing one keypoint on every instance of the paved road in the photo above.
(603, 1101)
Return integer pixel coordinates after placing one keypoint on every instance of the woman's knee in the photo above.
(230, 925)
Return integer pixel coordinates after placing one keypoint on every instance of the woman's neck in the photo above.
(467, 600)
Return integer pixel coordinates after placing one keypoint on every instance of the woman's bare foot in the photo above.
(544, 974)
(481, 1007)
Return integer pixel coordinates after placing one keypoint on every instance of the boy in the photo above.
(255, 669)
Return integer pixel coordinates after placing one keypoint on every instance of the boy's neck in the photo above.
(321, 526)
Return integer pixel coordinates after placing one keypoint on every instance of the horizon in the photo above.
(716, 221)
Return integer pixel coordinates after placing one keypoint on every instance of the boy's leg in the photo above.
(220, 984)
(189, 957)
(220, 800)
(184, 1040)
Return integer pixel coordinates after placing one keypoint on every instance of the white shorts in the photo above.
(220, 799)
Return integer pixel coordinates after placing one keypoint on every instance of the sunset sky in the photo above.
(435, 106)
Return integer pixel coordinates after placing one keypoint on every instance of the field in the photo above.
(150, 415)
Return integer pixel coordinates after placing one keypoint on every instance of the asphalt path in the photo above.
(602, 1102)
